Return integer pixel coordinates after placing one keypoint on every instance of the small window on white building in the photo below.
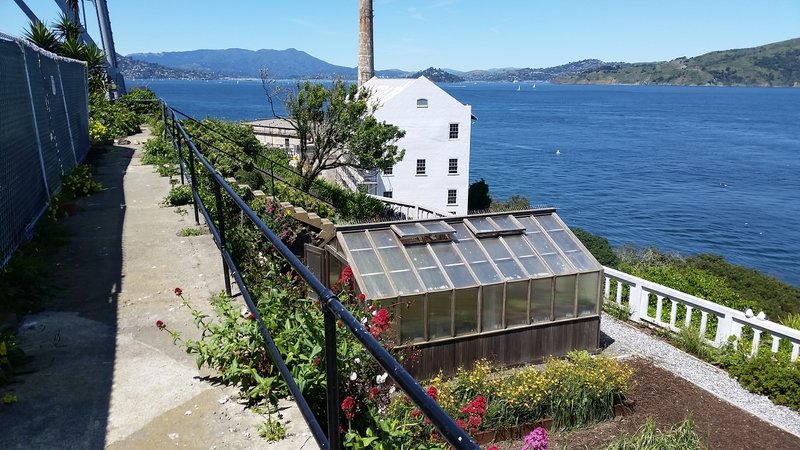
(453, 131)
(452, 166)
(420, 167)
(389, 170)
(286, 143)
(387, 194)
(451, 197)
(422, 103)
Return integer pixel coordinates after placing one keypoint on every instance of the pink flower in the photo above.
(416, 413)
(494, 447)
(160, 325)
(316, 361)
(373, 393)
(347, 274)
(178, 292)
(433, 392)
(361, 297)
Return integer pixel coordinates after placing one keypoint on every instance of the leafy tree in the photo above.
(336, 128)
(478, 197)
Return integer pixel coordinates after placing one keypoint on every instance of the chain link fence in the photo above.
(44, 132)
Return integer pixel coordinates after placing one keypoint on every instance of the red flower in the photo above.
(474, 421)
(160, 325)
(461, 424)
(349, 407)
(178, 292)
(347, 274)
(316, 361)
(416, 413)
(494, 447)
(361, 297)
(373, 393)
(477, 406)
(341, 281)
(433, 392)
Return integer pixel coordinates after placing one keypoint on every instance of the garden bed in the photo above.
(668, 399)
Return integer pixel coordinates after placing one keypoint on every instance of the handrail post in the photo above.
(177, 140)
(193, 179)
(272, 176)
(331, 378)
(221, 226)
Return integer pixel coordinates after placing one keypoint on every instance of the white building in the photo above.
(435, 169)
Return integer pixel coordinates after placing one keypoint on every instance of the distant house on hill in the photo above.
(435, 169)
(277, 133)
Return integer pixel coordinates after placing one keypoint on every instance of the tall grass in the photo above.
(679, 437)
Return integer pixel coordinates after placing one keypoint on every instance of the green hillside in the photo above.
(775, 64)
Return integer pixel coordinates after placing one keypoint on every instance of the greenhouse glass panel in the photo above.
(466, 311)
(507, 224)
(393, 258)
(548, 222)
(384, 238)
(581, 261)
(557, 263)
(376, 285)
(510, 269)
(492, 307)
(412, 319)
(356, 241)
(459, 275)
(542, 300)
(440, 314)
(438, 227)
(433, 279)
(461, 231)
(516, 304)
(334, 271)
(420, 256)
(365, 261)
(588, 293)
(480, 225)
(564, 304)
(406, 282)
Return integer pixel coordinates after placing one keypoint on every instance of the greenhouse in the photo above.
(510, 287)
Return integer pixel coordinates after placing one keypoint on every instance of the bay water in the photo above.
(683, 169)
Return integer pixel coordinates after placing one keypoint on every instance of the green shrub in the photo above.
(792, 321)
(679, 437)
(11, 357)
(119, 120)
(598, 246)
(78, 183)
(179, 195)
(98, 133)
(767, 373)
(141, 101)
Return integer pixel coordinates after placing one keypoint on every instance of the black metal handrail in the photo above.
(318, 187)
(332, 307)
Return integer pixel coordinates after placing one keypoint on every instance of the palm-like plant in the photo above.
(67, 28)
(39, 35)
(72, 47)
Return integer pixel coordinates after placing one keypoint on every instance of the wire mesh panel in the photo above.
(44, 132)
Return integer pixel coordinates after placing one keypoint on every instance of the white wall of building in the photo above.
(427, 138)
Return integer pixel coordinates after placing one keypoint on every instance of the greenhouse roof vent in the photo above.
(423, 232)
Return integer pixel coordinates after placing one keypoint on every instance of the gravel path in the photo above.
(631, 341)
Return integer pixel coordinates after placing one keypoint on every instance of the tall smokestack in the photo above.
(366, 55)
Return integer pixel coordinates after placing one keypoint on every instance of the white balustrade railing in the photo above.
(730, 322)
(412, 210)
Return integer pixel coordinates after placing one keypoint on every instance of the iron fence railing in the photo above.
(192, 163)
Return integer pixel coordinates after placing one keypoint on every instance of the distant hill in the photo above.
(241, 63)
(528, 74)
(776, 64)
(134, 69)
(437, 76)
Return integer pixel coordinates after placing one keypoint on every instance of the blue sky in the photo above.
(455, 34)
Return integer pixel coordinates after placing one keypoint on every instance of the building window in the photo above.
(452, 166)
(453, 131)
(286, 143)
(389, 170)
(422, 103)
(420, 167)
(451, 197)
(387, 194)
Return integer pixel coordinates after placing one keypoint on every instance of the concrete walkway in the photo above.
(103, 375)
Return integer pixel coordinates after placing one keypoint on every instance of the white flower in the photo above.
(391, 390)
(353, 376)
(380, 379)
(363, 320)
(357, 360)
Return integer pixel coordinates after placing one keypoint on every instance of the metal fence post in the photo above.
(221, 227)
(177, 139)
(193, 179)
(331, 379)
